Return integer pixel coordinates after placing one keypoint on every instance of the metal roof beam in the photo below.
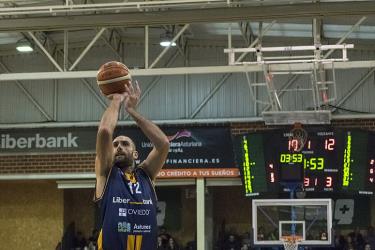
(153, 82)
(342, 39)
(88, 47)
(29, 95)
(227, 75)
(160, 122)
(44, 50)
(185, 70)
(157, 59)
(64, 54)
(354, 89)
(224, 14)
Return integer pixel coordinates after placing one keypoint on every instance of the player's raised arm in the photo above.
(155, 160)
(104, 148)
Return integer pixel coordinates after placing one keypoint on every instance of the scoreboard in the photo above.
(331, 160)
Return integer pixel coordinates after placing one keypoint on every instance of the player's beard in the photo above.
(124, 161)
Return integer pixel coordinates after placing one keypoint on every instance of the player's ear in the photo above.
(135, 154)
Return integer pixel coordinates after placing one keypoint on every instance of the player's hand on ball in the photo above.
(133, 93)
(118, 97)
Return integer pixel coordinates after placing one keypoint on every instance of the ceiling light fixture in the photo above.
(24, 46)
(166, 40)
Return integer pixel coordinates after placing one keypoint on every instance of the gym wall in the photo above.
(31, 215)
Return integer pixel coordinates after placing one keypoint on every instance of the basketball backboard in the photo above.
(308, 219)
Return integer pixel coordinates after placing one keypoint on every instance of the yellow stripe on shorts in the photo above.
(100, 240)
(134, 242)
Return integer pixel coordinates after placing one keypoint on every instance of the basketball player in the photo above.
(125, 192)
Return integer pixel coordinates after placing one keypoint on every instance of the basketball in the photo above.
(112, 78)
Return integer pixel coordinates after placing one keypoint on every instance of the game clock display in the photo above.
(330, 160)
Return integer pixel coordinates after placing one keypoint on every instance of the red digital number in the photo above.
(272, 175)
(293, 145)
(329, 144)
(328, 181)
(306, 182)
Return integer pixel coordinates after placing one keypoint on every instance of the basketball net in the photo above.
(291, 242)
(298, 137)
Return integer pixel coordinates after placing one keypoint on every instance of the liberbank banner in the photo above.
(47, 140)
(194, 151)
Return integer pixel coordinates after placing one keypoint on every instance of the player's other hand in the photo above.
(133, 93)
(118, 97)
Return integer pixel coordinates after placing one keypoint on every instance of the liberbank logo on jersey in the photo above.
(127, 201)
(37, 141)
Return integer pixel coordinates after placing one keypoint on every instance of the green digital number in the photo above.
(294, 158)
(297, 158)
(320, 163)
(312, 163)
(287, 158)
(282, 158)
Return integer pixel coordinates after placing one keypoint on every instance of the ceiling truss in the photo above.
(109, 20)
(163, 16)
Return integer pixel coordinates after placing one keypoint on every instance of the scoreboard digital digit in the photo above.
(331, 160)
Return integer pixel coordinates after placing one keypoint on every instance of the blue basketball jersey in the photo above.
(128, 212)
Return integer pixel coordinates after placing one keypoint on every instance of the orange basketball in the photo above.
(112, 78)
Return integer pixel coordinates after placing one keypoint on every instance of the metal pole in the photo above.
(242, 56)
(355, 87)
(66, 49)
(186, 84)
(285, 86)
(201, 218)
(211, 94)
(153, 82)
(354, 27)
(146, 47)
(55, 99)
(45, 51)
(87, 48)
(167, 48)
(226, 76)
(108, 42)
(185, 70)
(28, 95)
(91, 89)
(230, 43)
